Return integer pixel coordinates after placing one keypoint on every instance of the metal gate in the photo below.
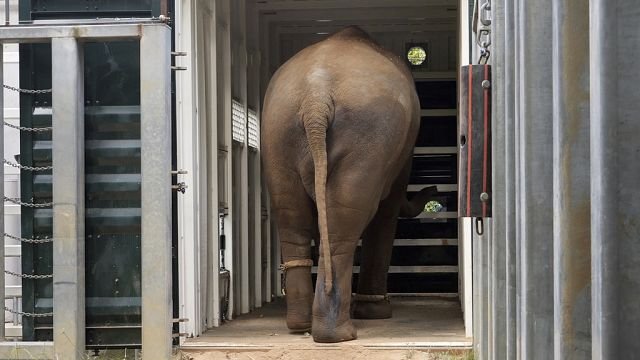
(59, 209)
(112, 174)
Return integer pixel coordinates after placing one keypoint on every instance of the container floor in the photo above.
(418, 322)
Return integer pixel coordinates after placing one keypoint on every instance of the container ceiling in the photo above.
(326, 16)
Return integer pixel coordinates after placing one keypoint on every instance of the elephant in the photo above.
(339, 123)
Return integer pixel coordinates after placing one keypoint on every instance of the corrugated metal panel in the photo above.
(615, 170)
(568, 228)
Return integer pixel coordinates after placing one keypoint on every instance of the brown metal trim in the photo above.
(469, 138)
(486, 140)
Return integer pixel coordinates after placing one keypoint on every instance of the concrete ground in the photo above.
(421, 328)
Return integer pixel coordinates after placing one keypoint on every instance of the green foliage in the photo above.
(433, 206)
(416, 55)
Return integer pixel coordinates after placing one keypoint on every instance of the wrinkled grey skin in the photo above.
(338, 128)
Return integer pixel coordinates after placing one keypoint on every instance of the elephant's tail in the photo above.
(317, 112)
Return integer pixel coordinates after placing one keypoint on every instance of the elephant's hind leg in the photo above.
(296, 223)
(331, 318)
(349, 209)
(371, 300)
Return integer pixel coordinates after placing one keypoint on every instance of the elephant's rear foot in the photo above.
(299, 295)
(371, 307)
(323, 333)
(299, 314)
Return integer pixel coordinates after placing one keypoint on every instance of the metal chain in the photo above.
(28, 204)
(483, 31)
(28, 314)
(29, 129)
(29, 241)
(27, 91)
(29, 168)
(29, 276)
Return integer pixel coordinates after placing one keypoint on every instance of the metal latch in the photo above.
(180, 187)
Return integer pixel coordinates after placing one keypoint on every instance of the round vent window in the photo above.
(416, 55)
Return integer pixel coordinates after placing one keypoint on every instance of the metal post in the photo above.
(615, 228)
(2, 184)
(480, 273)
(510, 179)
(68, 197)
(188, 140)
(240, 157)
(223, 8)
(571, 184)
(7, 12)
(211, 180)
(155, 129)
(498, 224)
(535, 173)
(515, 170)
(209, 134)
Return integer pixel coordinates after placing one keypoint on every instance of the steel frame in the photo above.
(68, 184)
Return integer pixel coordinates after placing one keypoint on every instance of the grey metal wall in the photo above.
(562, 262)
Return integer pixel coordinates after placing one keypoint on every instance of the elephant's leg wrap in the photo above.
(296, 286)
(292, 264)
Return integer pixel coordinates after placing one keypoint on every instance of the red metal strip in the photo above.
(486, 140)
(469, 137)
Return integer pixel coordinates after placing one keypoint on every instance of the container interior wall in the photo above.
(252, 39)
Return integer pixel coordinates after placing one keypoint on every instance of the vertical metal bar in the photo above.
(253, 99)
(2, 230)
(208, 41)
(605, 237)
(257, 225)
(517, 199)
(67, 80)
(490, 299)
(188, 135)
(239, 43)
(466, 275)
(213, 303)
(498, 222)
(155, 133)
(571, 184)
(243, 212)
(476, 274)
(615, 229)
(480, 271)
(7, 9)
(269, 286)
(510, 179)
(224, 51)
(535, 173)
